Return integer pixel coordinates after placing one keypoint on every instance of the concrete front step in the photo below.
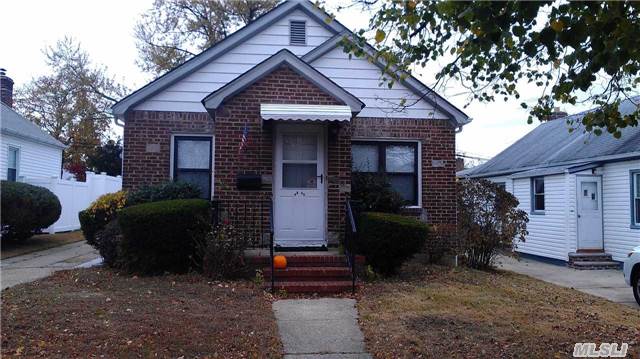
(594, 265)
(320, 287)
(309, 273)
(590, 257)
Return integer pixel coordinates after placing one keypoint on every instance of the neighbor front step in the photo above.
(324, 287)
(590, 257)
(309, 273)
(594, 265)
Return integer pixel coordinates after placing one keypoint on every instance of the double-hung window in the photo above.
(398, 161)
(537, 195)
(192, 162)
(13, 163)
(635, 199)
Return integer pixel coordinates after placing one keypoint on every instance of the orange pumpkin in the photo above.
(280, 262)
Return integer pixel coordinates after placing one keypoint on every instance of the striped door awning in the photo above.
(287, 112)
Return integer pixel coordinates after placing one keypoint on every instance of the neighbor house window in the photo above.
(192, 162)
(537, 194)
(12, 164)
(398, 161)
(502, 185)
(635, 198)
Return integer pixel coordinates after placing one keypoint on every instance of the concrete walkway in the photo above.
(36, 265)
(608, 284)
(324, 328)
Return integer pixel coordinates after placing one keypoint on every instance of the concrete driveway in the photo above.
(608, 284)
(36, 265)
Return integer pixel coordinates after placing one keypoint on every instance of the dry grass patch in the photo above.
(100, 313)
(442, 312)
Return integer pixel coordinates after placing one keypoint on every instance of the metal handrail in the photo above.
(271, 230)
(351, 231)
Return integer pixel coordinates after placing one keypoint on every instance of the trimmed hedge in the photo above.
(107, 242)
(102, 211)
(26, 209)
(388, 240)
(163, 192)
(162, 236)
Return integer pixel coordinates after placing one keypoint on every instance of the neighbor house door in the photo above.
(299, 186)
(589, 212)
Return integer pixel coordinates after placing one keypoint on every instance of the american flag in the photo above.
(244, 140)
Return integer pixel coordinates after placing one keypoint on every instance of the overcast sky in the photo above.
(105, 31)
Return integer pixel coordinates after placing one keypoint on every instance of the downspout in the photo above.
(117, 122)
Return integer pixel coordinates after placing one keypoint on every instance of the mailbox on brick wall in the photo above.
(249, 182)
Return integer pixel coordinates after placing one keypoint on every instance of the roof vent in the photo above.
(298, 33)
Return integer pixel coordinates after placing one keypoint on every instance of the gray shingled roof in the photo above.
(552, 145)
(14, 124)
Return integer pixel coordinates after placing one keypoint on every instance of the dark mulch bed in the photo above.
(438, 312)
(101, 313)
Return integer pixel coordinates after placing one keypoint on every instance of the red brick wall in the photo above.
(281, 86)
(147, 143)
(437, 139)
(285, 86)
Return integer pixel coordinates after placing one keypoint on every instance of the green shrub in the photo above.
(388, 240)
(26, 209)
(102, 211)
(107, 242)
(163, 192)
(162, 236)
(489, 222)
(221, 254)
(373, 192)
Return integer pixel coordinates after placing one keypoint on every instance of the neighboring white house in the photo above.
(30, 155)
(582, 191)
(25, 150)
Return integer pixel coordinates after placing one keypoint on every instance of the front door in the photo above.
(589, 211)
(299, 186)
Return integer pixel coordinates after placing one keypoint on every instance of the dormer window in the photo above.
(297, 33)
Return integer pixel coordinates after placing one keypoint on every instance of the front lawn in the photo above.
(442, 312)
(100, 313)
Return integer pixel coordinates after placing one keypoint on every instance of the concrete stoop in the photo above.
(592, 261)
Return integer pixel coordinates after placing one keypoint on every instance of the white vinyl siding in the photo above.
(186, 94)
(508, 182)
(547, 233)
(619, 237)
(35, 160)
(358, 76)
(362, 79)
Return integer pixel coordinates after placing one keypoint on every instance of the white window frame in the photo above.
(534, 210)
(419, 159)
(17, 151)
(635, 197)
(213, 158)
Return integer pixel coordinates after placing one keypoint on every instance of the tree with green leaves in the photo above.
(107, 158)
(72, 103)
(173, 31)
(572, 51)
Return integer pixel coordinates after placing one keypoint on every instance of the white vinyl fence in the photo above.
(76, 196)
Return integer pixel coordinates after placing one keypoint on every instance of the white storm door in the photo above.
(299, 186)
(589, 211)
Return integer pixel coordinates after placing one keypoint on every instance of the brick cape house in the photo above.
(278, 113)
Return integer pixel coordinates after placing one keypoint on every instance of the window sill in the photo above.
(635, 226)
(537, 213)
